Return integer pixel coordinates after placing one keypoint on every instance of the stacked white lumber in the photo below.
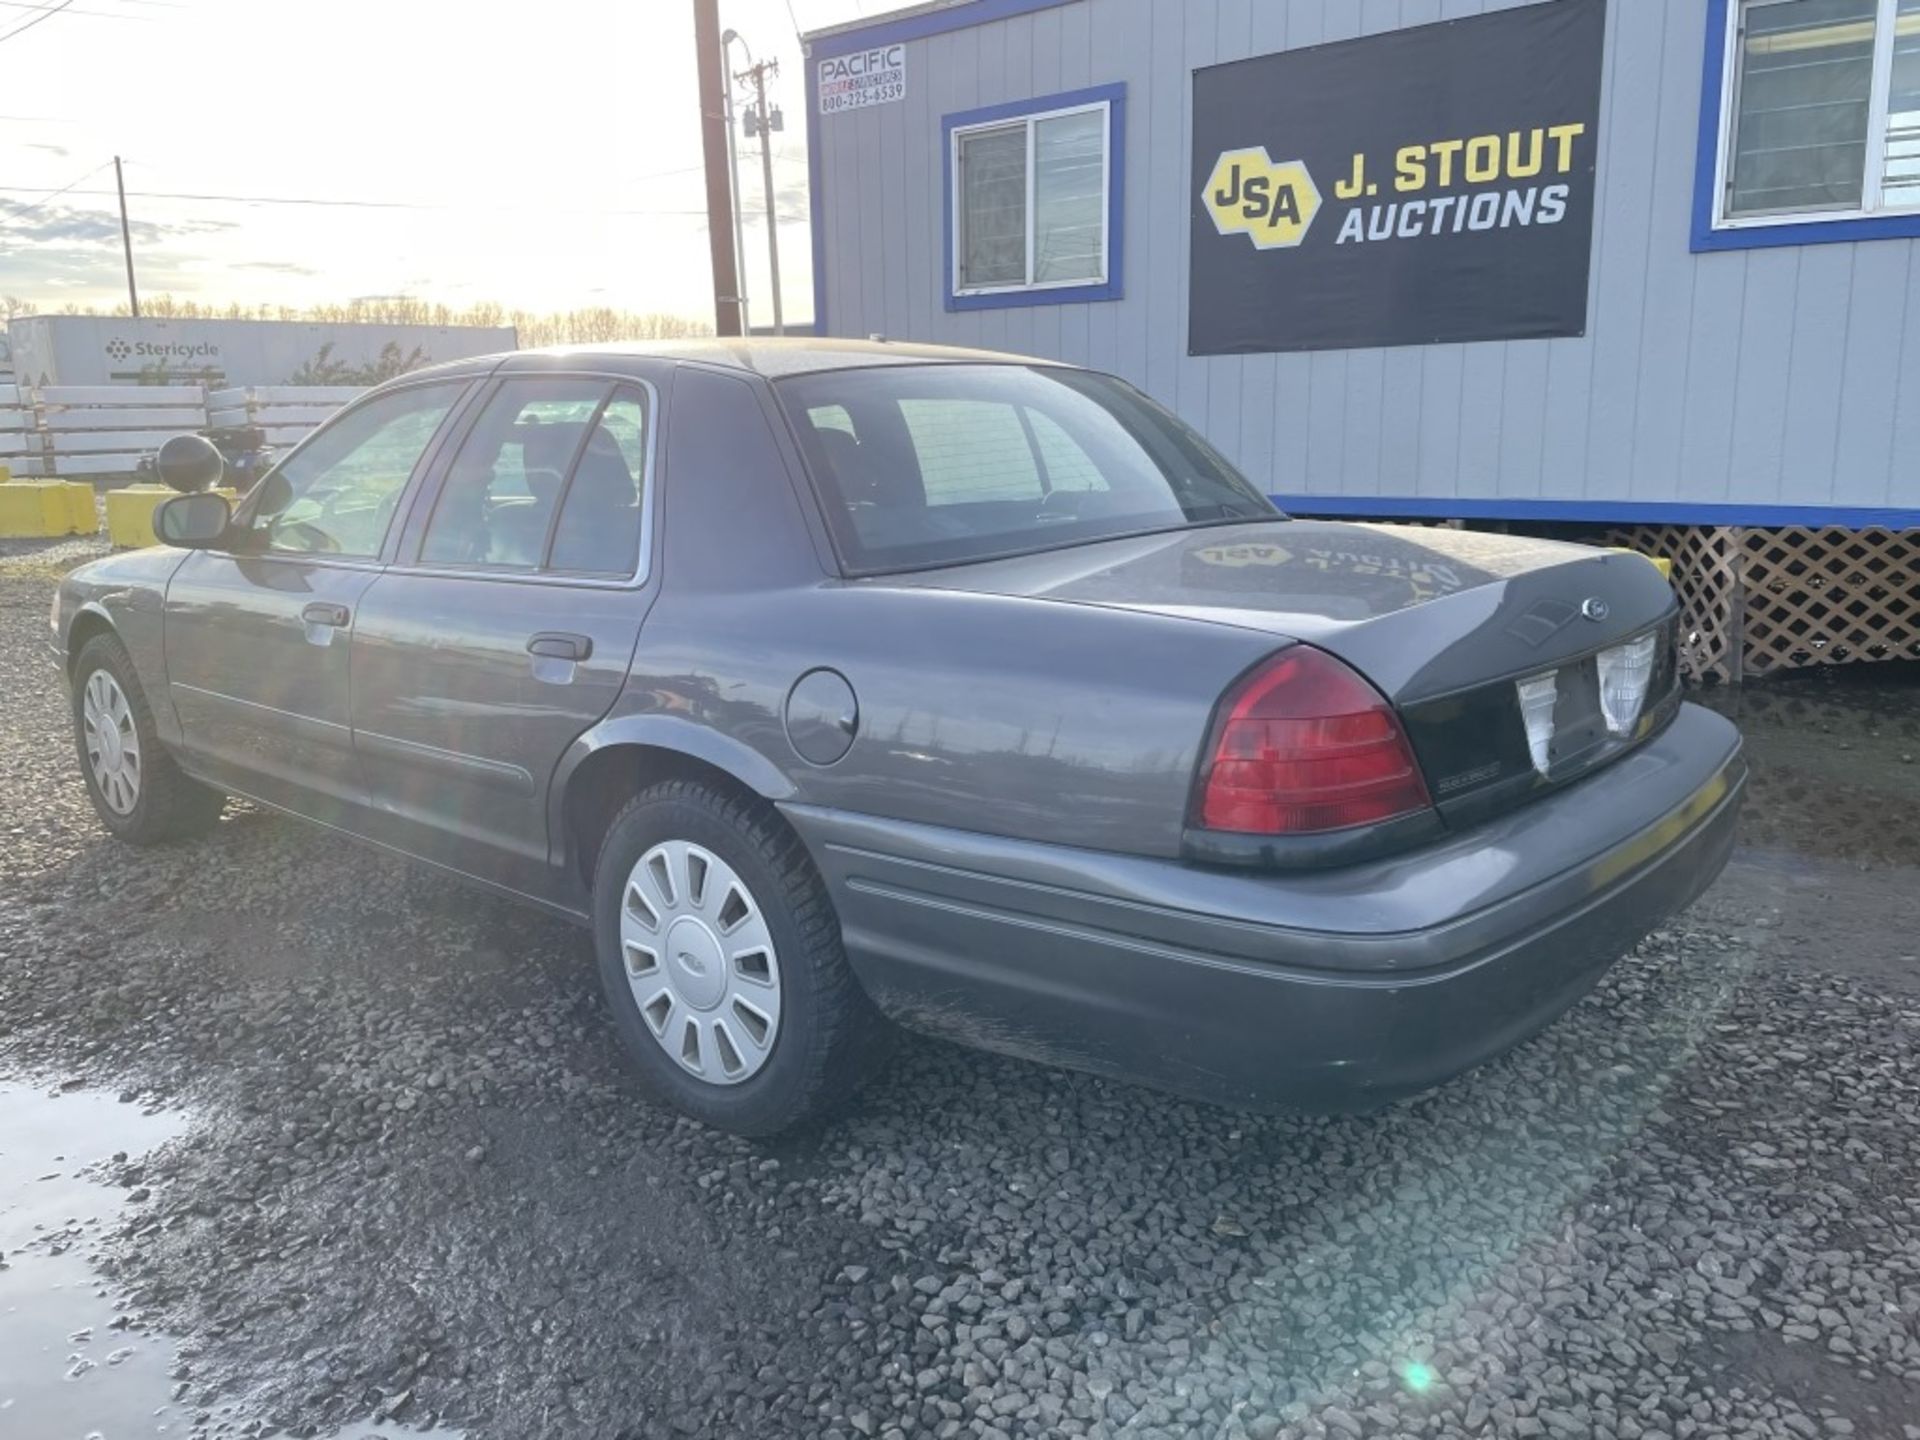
(19, 437)
(285, 412)
(106, 429)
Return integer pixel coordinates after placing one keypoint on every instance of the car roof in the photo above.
(777, 358)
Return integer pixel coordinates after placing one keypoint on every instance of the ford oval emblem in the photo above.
(1594, 608)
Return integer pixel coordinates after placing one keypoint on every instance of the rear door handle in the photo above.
(321, 613)
(559, 645)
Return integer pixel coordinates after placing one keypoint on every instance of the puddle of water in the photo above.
(65, 1369)
(1836, 762)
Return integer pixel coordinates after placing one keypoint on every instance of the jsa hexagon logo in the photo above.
(1271, 202)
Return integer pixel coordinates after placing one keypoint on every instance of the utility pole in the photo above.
(764, 122)
(126, 237)
(733, 168)
(711, 60)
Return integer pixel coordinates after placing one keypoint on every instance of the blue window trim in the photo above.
(1707, 166)
(1612, 512)
(1112, 288)
(847, 42)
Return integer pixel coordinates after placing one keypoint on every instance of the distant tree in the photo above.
(324, 369)
(590, 325)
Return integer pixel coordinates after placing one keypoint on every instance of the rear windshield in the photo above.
(922, 465)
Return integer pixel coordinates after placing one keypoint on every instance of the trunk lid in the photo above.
(1444, 622)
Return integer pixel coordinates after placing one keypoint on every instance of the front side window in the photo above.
(920, 465)
(1822, 110)
(1032, 203)
(336, 494)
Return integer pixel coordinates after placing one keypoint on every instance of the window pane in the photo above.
(832, 417)
(1069, 213)
(993, 207)
(344, 484)
(501, 489)
(1902, 183)
(599, 530)
(1800, 129)
(971, 450)
(1067, 465)
(948, 466)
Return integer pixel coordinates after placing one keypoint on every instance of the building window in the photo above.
(1034, 201)
(1820, 114)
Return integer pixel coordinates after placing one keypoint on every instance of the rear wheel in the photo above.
(137, 790)
(721, 959)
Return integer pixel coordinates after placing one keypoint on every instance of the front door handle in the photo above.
(322, 613)
(560, 645)
(323, 620)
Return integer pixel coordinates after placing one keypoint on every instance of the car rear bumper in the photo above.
(1331, 991)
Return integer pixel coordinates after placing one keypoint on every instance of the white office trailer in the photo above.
(1648, 268)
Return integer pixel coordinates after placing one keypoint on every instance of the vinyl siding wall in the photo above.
(1753, 378)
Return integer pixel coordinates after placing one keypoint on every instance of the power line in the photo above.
(46, 15)
(329, 202)
(56, 194)
(93, 14)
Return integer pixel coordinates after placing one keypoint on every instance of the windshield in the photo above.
(921, 465)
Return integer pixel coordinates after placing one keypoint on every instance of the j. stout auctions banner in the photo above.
(1425, 185)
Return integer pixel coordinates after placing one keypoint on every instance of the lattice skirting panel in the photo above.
(1755, 601)
(1706, 577)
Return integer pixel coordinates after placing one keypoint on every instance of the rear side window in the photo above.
(599, 528)
(552, 477)
(920, 465)
(501, 492)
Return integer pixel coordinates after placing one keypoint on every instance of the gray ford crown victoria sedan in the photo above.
(829, 682)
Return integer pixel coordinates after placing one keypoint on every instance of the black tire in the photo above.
(830, 1036)
(170, 804)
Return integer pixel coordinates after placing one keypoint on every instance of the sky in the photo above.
(548, 153)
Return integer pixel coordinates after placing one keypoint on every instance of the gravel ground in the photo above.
(421, 1187)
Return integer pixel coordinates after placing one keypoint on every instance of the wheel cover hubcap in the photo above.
(700, 962)
(113, 744)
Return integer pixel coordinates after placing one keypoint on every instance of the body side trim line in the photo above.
(551, 907)
(308, 726)
(496, 773)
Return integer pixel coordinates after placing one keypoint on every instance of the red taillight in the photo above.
(1303, 744)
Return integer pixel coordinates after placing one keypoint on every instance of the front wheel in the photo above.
(137, 790)
(721, 959)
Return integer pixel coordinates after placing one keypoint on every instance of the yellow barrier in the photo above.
(39, 508)
(1659, 562)
(130, 513)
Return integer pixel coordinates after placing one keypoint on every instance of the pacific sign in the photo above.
(867, 77)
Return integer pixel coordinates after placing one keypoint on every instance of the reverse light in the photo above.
(1538, 697)
(1626, 672)
(1304, 745)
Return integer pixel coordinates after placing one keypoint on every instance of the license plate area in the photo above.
(1579, 726)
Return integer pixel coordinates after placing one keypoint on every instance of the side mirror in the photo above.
(193, 522)
(189, 464)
